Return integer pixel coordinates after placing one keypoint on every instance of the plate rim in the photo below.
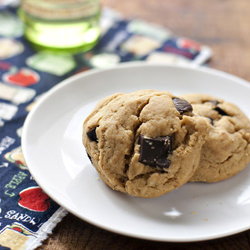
(127, 65)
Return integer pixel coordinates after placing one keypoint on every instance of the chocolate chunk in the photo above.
(154, 151)
(182, 105)
(220, 111)
(92, 134)
(217, 108)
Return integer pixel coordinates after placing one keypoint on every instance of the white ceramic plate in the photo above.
(54, 153)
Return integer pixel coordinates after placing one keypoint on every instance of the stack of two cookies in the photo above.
(148, 143)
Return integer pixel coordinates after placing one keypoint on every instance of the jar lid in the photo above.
(61, 9)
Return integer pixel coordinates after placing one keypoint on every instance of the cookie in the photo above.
(146, 143)
(227, 148)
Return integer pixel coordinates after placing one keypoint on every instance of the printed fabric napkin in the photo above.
(27, 214)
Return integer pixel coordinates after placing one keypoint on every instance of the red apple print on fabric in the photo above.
(23, 77)
(18, 229)
(188, 44)
(34, 199)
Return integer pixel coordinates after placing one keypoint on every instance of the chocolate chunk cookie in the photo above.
(146, 143)
(227, 148)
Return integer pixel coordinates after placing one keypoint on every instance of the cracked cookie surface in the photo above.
(145, 143)
(227, 148)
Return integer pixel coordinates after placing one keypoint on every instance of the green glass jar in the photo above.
(61, 25)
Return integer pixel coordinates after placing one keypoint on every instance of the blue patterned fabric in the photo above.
(27, 214)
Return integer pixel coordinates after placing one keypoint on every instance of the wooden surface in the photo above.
(224, 26)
